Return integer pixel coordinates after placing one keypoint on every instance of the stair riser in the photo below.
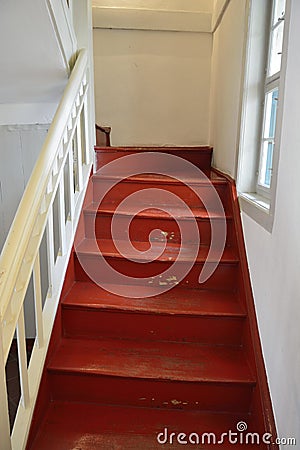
(205, 195)
(207, 330)
(200, 159)
(224, 278)
(140, 228)
(208, 396)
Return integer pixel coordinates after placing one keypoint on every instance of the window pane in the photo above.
(266, 160)
(276, 49)
(279, 10)
(265, 172)
(271, 101)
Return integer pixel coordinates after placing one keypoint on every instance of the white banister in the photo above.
(51, 204)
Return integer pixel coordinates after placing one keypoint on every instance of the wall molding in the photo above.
(219, 11)
(62, 24)
(151, 19)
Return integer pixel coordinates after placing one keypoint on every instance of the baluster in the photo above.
(81, 89)
(65, 137)
(79, 155)
(38, 301)
(4, 416)
(61, 215)
(87, 156)
(77, 100)
(61, 150)
(22, 354)
(55, 167)
(50, 250)
(74, 111)
(50, 184)
(71, 183)
(70, 123)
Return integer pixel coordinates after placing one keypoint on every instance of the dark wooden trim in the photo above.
(102, 136)
(257, 354)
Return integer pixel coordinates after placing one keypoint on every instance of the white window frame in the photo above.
(258, 201)
(272, 83)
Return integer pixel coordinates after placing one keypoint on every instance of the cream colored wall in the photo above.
(152, 87)
(273, 257)
(152, 76)
(187, 5)
(226, 86)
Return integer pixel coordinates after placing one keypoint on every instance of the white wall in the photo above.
(20, 146)
(274, 259)
(227, 76)
(152, 87)
(83, 27)
(152, 70)
(36, 46)
(187, 5)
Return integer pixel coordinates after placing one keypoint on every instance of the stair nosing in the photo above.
(93, 251)
(101, 299)
(132, 310)
(200, 148)
(115, 371)
(172, 180)
(106, 373)
(95, 209)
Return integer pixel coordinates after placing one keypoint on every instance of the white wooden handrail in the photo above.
(67, 150)
(18, 236)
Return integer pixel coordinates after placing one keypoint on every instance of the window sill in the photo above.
(258, 208)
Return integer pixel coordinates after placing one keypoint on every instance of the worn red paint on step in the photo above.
(120, 370)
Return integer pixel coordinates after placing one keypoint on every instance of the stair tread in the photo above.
(134, 148)
(169, 252)
(151, 211)
(180, 301)
(213, 179)
(152, 360)
(92, 427)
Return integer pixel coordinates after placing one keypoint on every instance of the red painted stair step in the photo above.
(178, 315)
(198, 155)
(224, 278)
(147, 373)
(123, 368)
(172, 224)
(103, 427)
(193, 192)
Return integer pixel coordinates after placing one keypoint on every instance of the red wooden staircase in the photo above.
(130, 367)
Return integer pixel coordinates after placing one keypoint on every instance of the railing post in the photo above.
(5, 441)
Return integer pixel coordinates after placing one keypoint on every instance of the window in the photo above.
(271, 92)
(262, 108)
